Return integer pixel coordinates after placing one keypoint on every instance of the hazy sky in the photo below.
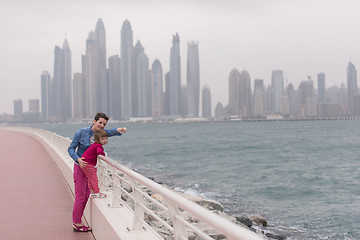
(300, 37)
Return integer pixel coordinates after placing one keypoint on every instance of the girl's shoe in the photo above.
(98, 195)
(81, 228)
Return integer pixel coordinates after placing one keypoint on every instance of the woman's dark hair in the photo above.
(99, 134)
(101, 115)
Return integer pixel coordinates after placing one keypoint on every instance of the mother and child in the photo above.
(86, 145)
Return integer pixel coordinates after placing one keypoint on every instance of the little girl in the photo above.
(90, 156)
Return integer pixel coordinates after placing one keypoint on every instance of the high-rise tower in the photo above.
(206, 102)
(193, 79)
(102, 78)
(45, 94)
(277, 83)
(114, 79)
(245, 94)
(234, 86)
(90, 75)
(61, 92)
(175, 76)
(352, 87)
(127, 69)
(156, 89)
(141, 84)
(321, 87)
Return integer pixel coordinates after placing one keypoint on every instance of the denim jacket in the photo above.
(81, 141)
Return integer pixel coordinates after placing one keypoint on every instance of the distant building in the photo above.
(193, 80)
(45, 94)
(61, 94)
(79, 108)
(259, 92)
(34, 105)
(206, 102)
(321, 87)
(219, 111)
(141, 101)
(156, 77)
(115, 86)
(175, 77)
(18, 110)
(352, 87)
(233, 107)
(329, 110)
(127, 70)
(277, 83)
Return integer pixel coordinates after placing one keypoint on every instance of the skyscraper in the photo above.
(114, 79)
(175, 76)
(18, 110)
(259, 97)
(78, 97)
(245, 94)
(141, 101)
(45, 94)
(156, 89)
(206, 102)
(102, 79)
(193, 80)
(90, 75)
(127, 69)
(321, 87)
(142, 80)
(352, 87)
(277, 83)
(234, 86)
(62, 83)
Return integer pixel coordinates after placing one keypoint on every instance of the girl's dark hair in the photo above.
(101, 115)
(99, 134)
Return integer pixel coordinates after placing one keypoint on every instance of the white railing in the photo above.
(170, 215)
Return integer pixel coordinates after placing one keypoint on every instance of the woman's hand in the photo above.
(122, 130)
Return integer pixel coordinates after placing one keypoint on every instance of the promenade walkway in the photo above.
(35, 201)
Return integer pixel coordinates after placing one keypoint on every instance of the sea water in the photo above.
(302, 176)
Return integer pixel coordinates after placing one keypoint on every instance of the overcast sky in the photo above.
(300, 37)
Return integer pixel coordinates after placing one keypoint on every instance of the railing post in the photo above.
(179, 227)
(101, 176)
(138, 209)
(117, 191)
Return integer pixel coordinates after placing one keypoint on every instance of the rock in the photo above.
(157, 196)
(272, 236)
(259, 220)
(244, 220)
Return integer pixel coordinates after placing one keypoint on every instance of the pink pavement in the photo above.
(35, 201)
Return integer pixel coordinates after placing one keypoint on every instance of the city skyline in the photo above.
(300, 38)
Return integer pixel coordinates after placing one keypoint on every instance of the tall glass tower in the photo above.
(141, 85)
(156, 89)
(90, 75)
(352, 87)
(62, 83)
(277, 83)
(102, 78)
(45, 94)
(245, 94)
(193, 79)
(321, 87)
(127, 70)
(234, 83)
(175, 77)
(206, 102)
